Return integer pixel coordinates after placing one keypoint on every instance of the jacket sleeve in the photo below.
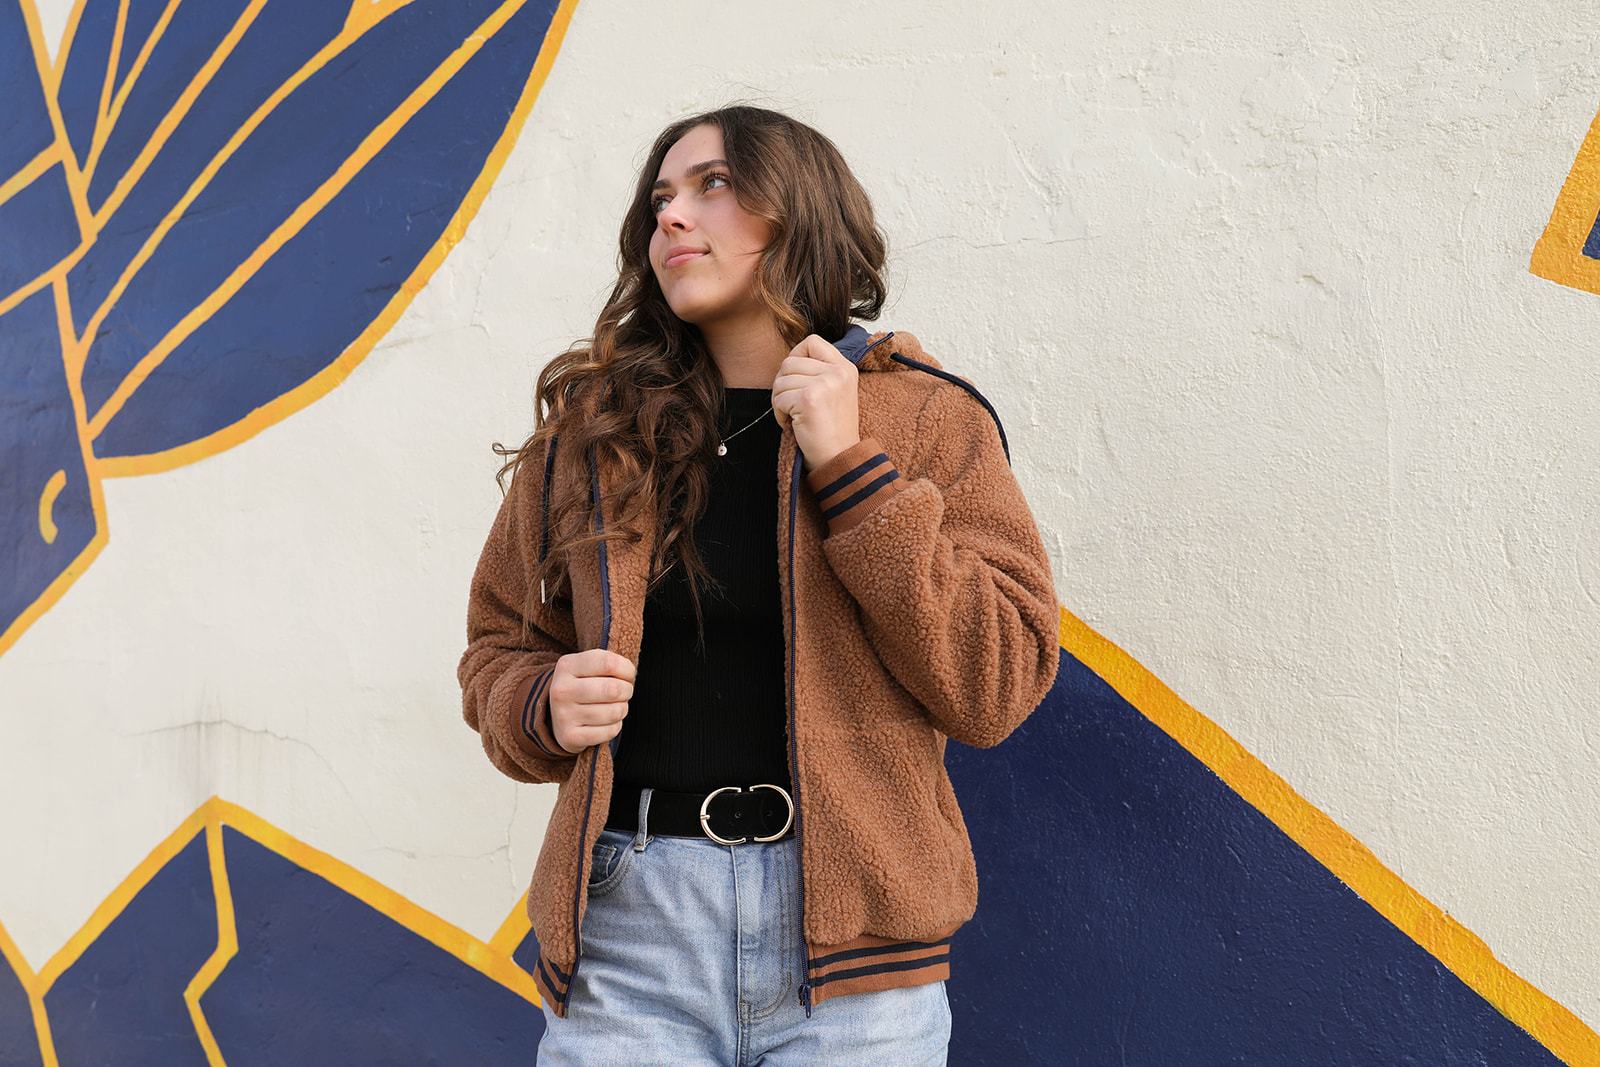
(505, 679)
(949, 570)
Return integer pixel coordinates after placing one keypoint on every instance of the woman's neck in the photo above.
(746, 350)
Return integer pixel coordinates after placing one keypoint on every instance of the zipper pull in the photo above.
(805, 997)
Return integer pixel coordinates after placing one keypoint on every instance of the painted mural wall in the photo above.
(1286, 310)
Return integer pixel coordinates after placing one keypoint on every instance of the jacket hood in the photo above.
(876, 351)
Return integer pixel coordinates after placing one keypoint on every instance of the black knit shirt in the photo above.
(700, 719)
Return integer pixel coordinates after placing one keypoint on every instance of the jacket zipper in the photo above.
(794, 743)
(594, 763)
(794, 735)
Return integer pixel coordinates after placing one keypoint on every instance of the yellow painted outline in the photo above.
(309, 391)
(80, 563)
(47, 503)
(512, 930)
(49, 77)
(175, 114)
(29, 172)
(227, 945)
(209, 818)
(373, 143)
(1452, 944)
(102, 132)
(1558, 254)
(37, 984)
(113, 57)
(12, 955)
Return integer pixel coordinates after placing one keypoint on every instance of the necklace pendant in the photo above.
(722, 448)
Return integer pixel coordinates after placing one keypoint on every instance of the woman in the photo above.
(755, 852)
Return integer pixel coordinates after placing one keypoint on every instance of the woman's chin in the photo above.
(695, 310)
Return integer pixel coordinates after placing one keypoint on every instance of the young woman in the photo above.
(755, 854)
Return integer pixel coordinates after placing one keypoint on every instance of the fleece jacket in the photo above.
(918, 606)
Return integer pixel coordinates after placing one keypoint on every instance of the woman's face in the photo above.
(695, 208)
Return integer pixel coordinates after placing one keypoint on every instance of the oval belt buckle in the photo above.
(705, 815)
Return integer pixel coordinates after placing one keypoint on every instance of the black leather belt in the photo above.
(730, 815)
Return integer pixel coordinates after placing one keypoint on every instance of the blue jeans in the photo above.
(692, 956)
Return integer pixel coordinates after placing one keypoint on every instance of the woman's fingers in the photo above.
(589, 693)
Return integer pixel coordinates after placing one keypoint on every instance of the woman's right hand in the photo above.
(589, 693)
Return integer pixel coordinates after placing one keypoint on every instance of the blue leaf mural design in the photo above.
(25, 128)
(213, 218)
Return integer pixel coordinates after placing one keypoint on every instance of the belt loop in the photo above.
(640, 837)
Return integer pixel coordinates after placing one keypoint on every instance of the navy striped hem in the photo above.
(895, 947)
(869, 963)
(553, 983)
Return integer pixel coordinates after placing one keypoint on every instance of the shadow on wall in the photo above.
(1150, 894)
(210, 212)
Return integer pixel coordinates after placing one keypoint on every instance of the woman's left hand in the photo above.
(815, 391)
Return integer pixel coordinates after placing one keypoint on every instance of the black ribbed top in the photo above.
(700, 719)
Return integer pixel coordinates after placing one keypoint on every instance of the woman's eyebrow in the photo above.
(690, 172)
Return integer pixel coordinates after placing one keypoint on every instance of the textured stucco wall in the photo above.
(1248, 285)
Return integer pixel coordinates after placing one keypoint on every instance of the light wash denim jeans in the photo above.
(691, 957)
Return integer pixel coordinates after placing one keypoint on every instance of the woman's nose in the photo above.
(671, 218)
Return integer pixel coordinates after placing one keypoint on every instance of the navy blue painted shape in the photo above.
(1134, 909)
(526, 954)
(19, 1041)
(87, 56)
(294, 150)
(282, 37)
(140, 20)
(322, 977)
(1591, 246)
(122, 1001)
(190, 39)
(25, 129)
(37, 229)
(38, 436)
(305, 305)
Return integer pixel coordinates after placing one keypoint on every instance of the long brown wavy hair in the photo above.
(643, 391)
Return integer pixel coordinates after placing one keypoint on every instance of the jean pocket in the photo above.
(610, 862)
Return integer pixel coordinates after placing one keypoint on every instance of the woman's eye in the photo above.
(656, 201)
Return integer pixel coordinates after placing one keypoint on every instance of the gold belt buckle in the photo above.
(705, 815)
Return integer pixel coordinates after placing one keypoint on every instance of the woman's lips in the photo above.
(683, 257)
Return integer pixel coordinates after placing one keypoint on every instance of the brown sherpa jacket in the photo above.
(918, 605)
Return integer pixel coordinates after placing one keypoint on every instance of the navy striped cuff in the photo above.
(536, 716)
(850, 485)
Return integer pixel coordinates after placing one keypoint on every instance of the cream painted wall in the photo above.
(1247, 284)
